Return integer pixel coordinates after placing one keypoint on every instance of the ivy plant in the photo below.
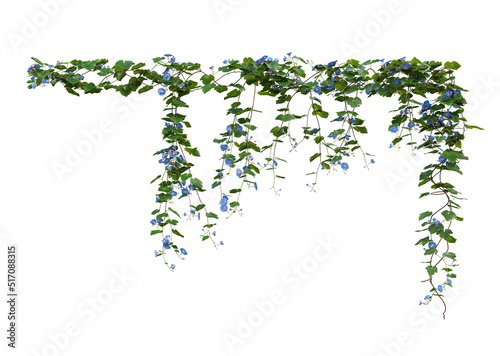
(429, 118)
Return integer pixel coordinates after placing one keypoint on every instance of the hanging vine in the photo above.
(435, 126)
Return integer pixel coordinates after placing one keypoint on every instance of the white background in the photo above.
(75, 234)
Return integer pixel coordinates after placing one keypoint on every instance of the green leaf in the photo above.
(314, 156)
(37, 61)
(422, 241)
(360, 129)
(175, 212)
(452, 65)
(431, 270)
(193, 151)
(154, 232)
(197, 183)
(450, 255)
(473, 127)
(285, 118)
(123, 65)
(449, 215)
(424, 215)
(177, 233)
(207, 87)
(145, 89)
(354, 102)
(453, 156)
(212, 215)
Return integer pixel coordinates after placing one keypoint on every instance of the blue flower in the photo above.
(222, 243)
(440, 288)
(447, 94)
(432, 244)
(33, 85)
(394, 129)
(442, 159)
(179, 125)
(437, 222)
(224, 147)
(448, 281)
(396, 82)
(427, 297)
(255, 185)
(229, 130)
(166, 76)
(239, 128)
(166, 243)
(406, 65)
(372, 161)
(228, 161)
(344, 166)
(161, 91)
(317, 89)
(173, 153)
(411, 124)
(239, 172)
(173, 193)
(153, 222)
(431, 138)
(347, 137)
(246, 168)
(172, 266)
(183, 251)
(185, 191)
(223, 208)
(158, 221)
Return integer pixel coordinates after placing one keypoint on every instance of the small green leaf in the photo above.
(431, 270)
(449, 215)
(424, 215)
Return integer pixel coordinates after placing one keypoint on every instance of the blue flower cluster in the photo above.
(223, 203)
(170, 157)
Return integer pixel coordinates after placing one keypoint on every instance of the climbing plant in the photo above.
(429, 118)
